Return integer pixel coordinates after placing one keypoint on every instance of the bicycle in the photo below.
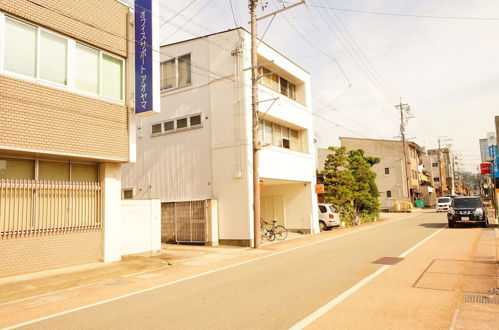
(275, 231)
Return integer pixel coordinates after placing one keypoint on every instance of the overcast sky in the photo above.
(446, 69)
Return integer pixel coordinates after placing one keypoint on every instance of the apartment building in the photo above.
(196, 156)
(443, 177)
(64, 131)
(395, 181)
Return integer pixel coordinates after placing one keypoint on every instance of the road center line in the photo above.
(324, 309)
(102, 302)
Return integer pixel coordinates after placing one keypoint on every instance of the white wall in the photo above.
(215, 161)
(176, 166)
(300, 210)
(110, 178)
(141, 226)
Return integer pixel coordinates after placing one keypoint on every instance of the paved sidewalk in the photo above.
(429, 288)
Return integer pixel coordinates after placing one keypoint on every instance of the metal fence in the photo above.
(183, 222)
(30, 207)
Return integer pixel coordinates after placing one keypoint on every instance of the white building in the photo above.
(196, 156)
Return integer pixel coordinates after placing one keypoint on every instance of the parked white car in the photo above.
(443, 204)
(329, 216)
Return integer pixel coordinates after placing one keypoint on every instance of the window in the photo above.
(285, 137)
(168, 74)
(172, 125)
(112, 77)
(279, 84)
(12, 168)
(156, 128)
(280, 136)
(387, 170)
(181, 123)
(195, 120)
(84, 172)
(176, 72)
(40, 54)
(127, 193)
(287, 89)
(53, 58)
(388, 193)
(322, 209)
(434, 164)
(169, 125)
(184, 70)
(436, 179)
(53, 170)
(20, 48)
(15, 168)
(87, 69)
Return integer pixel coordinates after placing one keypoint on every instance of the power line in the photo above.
(188, 21)
(407, 15)
(332, 58)
(356, 58)
(177, 13)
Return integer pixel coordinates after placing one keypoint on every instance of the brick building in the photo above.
(64, 124)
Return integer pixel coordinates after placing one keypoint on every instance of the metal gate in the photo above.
(31, 207)
(183, 222)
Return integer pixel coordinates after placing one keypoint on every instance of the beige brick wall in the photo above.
(33, 254)
(102, 23)
(35, 116)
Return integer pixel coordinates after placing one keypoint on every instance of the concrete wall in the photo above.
(141, 226)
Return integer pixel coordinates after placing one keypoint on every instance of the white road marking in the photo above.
(454, 320)
(324, 309)
(102, 302)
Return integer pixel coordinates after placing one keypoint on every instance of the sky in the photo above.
(363, 62)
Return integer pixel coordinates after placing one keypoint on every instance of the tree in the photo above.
(365, 191)
(338, 179)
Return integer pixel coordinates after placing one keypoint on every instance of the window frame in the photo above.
(290, 92)
(70, 63)
(70, 163)
(176, 58)
(38, 58)
(175, 128)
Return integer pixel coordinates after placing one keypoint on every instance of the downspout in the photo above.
(237, 70)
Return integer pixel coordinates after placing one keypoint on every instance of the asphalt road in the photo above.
(270, 293)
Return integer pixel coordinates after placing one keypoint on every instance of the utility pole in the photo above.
(254, 108)
(440, 169)
(256, 143)
(404, 109)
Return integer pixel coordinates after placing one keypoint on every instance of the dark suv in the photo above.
(469, 209)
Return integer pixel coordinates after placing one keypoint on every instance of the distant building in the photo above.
(395, 181)
(484, 151)
(444, 178)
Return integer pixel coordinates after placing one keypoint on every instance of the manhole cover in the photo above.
(388, 261)
(485, 257)
(114, 283)
(481, 299)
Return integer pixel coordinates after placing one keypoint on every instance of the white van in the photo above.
(329, 216)
(443, 204)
